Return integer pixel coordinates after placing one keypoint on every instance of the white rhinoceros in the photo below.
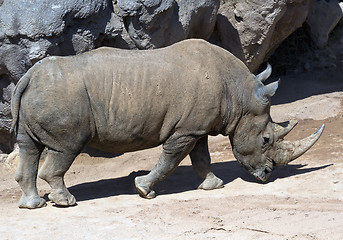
(127, 100)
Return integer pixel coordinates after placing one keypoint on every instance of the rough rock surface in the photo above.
(6, 87)
(31, 30)
(253, 29)
(322, 18)
(159, 23)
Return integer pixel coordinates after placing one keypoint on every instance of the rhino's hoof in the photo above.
(211, 182)
(144, 191)
(31, 202)
(62, 198)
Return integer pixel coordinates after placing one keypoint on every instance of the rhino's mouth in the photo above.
(262, 174)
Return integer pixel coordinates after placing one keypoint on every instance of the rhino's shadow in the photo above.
(183, 179)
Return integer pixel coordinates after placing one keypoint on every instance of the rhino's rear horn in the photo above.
(282, 129)
(265, 74)
(286, 151)
(263, 93)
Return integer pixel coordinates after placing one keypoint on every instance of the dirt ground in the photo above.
(303, 200)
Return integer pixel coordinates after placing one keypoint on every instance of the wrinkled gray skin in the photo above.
(121, 101)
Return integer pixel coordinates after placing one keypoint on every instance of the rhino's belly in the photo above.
(120, 145)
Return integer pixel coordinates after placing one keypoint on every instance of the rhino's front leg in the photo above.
(201, 162)
(175, 149)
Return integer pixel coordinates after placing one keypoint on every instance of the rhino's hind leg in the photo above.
(175, 149)
(52, 171)
(26, 173)
(201, 162)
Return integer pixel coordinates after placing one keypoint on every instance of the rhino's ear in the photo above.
(263, 93)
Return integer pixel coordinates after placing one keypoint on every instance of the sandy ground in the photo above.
(303, 200)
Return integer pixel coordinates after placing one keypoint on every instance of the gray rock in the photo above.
(159, 23)
(198, 17)
(31, 30)
(321, 20)
(6, 87)
(251, 30)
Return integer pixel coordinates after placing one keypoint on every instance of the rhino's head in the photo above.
(257, 141)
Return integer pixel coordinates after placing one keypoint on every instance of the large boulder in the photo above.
(253, 29)
(322, 18)
(159, 23)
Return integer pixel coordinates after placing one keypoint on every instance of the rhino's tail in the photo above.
(16, 99)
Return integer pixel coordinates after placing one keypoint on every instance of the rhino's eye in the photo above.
(266, 140)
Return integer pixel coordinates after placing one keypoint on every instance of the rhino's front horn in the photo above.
(286, 151)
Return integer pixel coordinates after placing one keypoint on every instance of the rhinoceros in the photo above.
(127, 100)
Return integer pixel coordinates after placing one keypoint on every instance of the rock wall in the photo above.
(156, 23)
(257, 27)
(251, 30)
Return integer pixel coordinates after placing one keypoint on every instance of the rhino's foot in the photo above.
(62, 198)
(143, 189)
(31, 202)
(211, 182)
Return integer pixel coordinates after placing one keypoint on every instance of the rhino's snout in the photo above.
(262, 174)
